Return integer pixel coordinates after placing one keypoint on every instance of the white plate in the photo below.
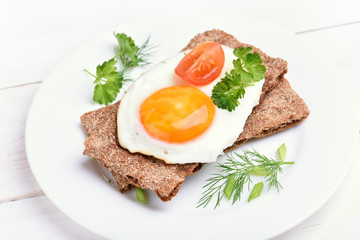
(322, 146)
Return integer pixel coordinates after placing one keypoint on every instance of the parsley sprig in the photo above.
(236, 173)
(109, 78)
(248, 69)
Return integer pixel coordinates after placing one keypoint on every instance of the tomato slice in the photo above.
(202, 65)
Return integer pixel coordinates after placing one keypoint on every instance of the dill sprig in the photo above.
(129, 54)
(241, 168)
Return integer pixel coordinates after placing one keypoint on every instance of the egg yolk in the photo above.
(177, 114)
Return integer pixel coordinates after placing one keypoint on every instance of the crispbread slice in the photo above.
(122, 182)
(165, 180)
(281, 108)
(134, 169)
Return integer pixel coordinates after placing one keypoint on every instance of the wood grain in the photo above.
(16, 178)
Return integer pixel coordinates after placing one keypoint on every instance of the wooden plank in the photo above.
(16, 178)
(299, 16)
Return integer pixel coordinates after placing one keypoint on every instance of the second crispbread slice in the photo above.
(280, 109)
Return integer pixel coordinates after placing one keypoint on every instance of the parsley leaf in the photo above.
(109, 79)
(226, 93)
(107, 70)
(249, 65)
(248, 69)
(107, 82)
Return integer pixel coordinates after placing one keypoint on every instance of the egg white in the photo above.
(222, 133)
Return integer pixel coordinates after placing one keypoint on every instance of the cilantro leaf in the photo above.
(248, 69)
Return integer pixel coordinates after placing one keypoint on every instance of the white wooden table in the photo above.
(36, 35)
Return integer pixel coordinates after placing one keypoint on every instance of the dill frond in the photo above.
(241, 167)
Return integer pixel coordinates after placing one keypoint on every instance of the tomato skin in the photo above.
(202, 65)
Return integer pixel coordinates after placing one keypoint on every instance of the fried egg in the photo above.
(163, 116)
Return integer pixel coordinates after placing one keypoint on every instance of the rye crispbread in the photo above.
(134, 169)
(281, 108)
(165, 180)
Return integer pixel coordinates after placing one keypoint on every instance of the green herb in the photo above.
(140, 195)
(256, 191)
(228, 91)
(239, 170)
(109, 79)
(282, 152)
(261, 171)
(229, 188)
(129, 54)
(107, 82)
(248, 69)
(258, 171)
(249, 65)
